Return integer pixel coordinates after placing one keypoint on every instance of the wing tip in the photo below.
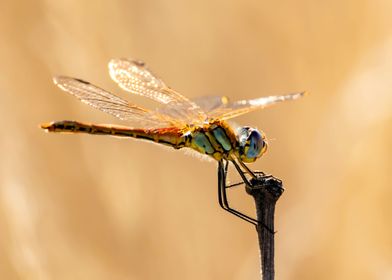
(60, 81)
(299, 94)
(304, 93)
(57, 79)
(115, 61)
(112, 62)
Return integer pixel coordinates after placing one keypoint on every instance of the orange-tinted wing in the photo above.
(231, 110)
(133, 76)
(111, 104)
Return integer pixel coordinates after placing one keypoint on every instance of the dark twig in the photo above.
(266, 191)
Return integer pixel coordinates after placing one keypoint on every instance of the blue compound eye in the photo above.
(251, 144)
(256, 143)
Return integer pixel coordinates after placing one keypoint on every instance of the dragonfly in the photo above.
(179, 122)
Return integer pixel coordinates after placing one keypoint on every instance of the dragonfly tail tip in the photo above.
(46, 126)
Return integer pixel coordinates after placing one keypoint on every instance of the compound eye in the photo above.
(256, 144)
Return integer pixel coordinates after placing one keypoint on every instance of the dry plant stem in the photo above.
(266, 191)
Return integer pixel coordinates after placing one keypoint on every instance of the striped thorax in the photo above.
(220, 141)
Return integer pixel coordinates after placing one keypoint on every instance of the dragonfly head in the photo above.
(252, 144)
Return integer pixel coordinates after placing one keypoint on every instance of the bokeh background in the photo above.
(90, 207)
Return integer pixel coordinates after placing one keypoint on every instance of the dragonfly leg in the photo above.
(222, 195)
(261, 174)
(234, 184)
(250, 172)
(242, 173)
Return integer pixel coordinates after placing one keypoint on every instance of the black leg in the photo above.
(231, 185)
(242, 174)
(222, 196)
(234, 185)
(250, 172)
(226, 202)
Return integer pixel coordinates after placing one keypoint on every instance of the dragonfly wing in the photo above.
(234, 109)
(133, 76)
(109, 103)
(209, 103)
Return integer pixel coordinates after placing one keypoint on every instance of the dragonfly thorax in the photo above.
(220, 141)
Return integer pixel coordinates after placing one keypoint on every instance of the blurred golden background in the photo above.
(89, 207)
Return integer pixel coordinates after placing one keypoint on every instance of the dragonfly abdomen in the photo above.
(166, 136)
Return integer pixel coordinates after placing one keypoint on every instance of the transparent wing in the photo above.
(234, 109)
(109, 103)
(209, 103)
(135, 77)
